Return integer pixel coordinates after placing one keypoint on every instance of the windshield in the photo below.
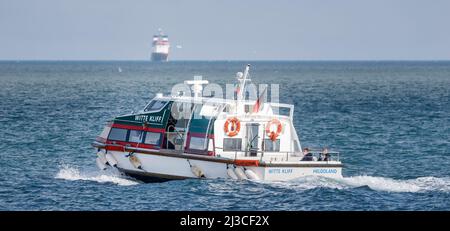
(155, 105)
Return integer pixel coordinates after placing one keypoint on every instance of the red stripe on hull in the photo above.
(247, 162)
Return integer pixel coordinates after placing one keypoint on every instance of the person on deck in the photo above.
(307, 156)
(326, 154)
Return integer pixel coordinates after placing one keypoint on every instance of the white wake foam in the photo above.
(67, 172)
(421, 184)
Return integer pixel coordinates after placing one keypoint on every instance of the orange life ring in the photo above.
(273, 134)
(235, 126)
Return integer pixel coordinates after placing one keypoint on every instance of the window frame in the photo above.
(278, 141)
(141, 136)
(204, 143)
(144, 139)
(155, 110)
(235, 149)
(126, 134)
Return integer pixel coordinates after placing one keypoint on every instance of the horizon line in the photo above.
(226, 60)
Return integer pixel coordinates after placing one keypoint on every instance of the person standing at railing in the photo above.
(326, 154)
(307, 156)
(321, 157)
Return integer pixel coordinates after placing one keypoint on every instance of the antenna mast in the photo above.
(243, 82)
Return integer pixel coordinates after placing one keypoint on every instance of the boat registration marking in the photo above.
(280, 171)
(148, 118)
(324, 170)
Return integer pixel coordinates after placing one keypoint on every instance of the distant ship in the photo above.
(160, 49)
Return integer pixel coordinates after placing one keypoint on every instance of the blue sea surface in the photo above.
(389, 120)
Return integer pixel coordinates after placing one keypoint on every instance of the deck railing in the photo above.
(314, 155)
(318, 154)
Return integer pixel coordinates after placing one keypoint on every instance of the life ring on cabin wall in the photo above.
(273, 134)
(232, 127)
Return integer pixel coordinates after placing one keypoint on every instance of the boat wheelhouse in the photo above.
(190, 136)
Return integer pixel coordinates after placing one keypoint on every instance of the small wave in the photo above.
(381, 184)
(421, 184)
(67, 172)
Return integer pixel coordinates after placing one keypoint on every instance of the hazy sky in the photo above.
(226, 30)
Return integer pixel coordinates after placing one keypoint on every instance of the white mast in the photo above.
(242, 82)
(243, 79)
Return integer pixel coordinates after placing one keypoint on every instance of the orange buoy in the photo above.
(235, 127)
(271, 133)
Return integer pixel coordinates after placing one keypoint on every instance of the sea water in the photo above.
(389, 120)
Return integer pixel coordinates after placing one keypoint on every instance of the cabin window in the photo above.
(135, 136)
(271, 146)
(201, 125)
(211, 145)
(118, 134)
(155, 105)
(152, 138)
(198, 143)
(232, 144)
(248, 108)
(284, 111)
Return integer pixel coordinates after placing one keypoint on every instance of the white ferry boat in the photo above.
(216, 138)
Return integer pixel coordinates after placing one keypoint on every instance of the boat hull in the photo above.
(160, 57)
(157, 167)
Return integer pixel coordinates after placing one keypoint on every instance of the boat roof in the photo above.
(221, 101)
(239, 105)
